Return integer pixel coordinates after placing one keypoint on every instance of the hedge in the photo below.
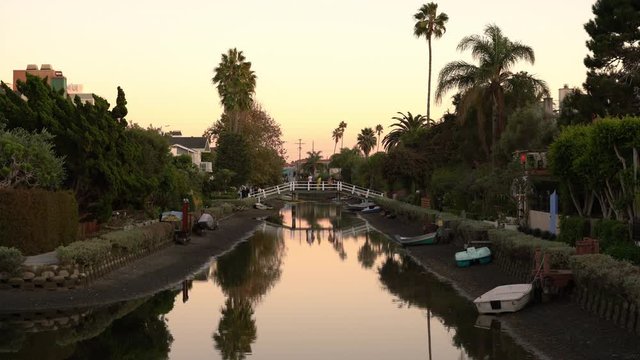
(610, 232)
(573, 229)
(606, 273)
(518, 245)
(97, 250)
(10, 260)
(625, 251)
(37, 221)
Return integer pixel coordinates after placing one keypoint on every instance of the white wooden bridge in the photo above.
(312, 186)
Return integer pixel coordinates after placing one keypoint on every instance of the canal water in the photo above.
(324, 286)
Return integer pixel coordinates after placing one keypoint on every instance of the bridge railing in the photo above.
(294, 186)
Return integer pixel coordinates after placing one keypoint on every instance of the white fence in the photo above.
(311, 186)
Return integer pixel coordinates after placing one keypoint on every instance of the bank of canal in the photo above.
(326, 290)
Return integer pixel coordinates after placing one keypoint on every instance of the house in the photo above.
(194, 147)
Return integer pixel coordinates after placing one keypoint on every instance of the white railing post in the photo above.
(368, 192)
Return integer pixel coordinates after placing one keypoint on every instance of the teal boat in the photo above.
(473, 256)
(425, 239)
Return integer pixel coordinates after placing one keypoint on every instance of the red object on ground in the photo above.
(185, 215)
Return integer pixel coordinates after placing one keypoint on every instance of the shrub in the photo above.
(609, 232)
(139, 238)
(536, 232)
(10, 259)
(88, 252)
(573, 229)
(625, 251)
(604, 272)
(37, 221)
(522, 246)
(546, 235)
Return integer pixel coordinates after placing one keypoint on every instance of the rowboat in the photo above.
(505, 298)
(473, 256)
(424, 239)
(371, 209)
(360, 206)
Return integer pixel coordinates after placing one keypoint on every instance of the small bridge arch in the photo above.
(314, 187)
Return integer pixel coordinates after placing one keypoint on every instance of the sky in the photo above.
(317, 63)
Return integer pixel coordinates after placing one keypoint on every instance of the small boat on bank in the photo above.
(424, 239)
(505, 298)
(473, 256)
(360, 206)
(261, 206)
(371, 209)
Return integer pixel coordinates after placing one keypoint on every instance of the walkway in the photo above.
(312, 186)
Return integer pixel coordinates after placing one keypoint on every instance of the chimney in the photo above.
(32, 67)
(46, 67)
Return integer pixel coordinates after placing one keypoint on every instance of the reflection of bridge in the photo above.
(350, 231)
(310, 186)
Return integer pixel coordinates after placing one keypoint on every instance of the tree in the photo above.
(405, 125)
(429, 24)
(336, 135)
(613, 77)
(28, 160)
(236, 84)
(379, 130)
(233, 153)
(313, 161)
(366, 141)
(487, 82)
(342, 126)
(120, 110)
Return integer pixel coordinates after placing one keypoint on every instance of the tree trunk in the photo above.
(429, 86)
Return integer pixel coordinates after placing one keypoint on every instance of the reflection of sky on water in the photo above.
(338, 294)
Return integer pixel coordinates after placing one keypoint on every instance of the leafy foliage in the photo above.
(10, 259)
(366, 141)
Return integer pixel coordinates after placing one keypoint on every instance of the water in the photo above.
(328, 290)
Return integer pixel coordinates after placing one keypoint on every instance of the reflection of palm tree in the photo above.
(366, 255)
(236, 330)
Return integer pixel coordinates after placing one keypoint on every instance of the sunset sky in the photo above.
(318, 63)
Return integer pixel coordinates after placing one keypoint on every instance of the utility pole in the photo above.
(300, 143)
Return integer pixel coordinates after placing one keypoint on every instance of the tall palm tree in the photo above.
(366, 141)
(429, 25)
(236, 83)
(379, 130)
(342, 126)
(406, 124)
(336, 135)
(486, 82)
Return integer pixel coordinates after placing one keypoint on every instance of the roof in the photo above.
(183, 148)
(191, 142)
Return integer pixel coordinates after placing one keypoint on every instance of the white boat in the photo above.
(505, 298)
(360, 206)
(261, 206)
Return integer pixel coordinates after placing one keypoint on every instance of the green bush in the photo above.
(87, 252)
(522, 246)
(37, 221)
(10, 259)
(573, 229)
(624, 251)
(604, 272)
(610, 232)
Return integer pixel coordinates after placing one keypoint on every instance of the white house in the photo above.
(194, 147)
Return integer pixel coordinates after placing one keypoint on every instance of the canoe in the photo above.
(261, 206)
(473, 256)
(505, 298)
(425, 239)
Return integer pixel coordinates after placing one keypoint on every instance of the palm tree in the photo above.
(342, 126)
(429, 24)
(406, 124)
(313, 160)
(379, 130)
(366, 141)
(486, 83)
(236, 83)
(336, 135)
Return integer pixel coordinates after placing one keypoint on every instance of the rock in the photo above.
(39, 280)
(28, 275)
(64, 273)
(74, 276)
(58, 279)
(15, 282)
(4, 275)
(47, 274)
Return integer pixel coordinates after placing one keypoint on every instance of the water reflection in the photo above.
(130, 330)
(349, 293)
(245, 275)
